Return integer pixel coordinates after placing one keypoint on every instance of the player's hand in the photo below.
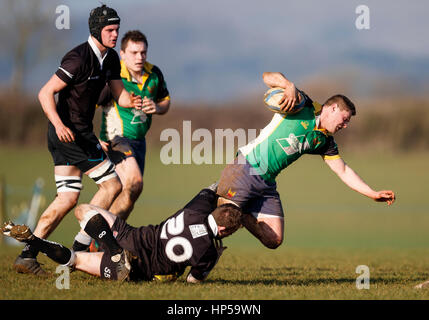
(385, 196)
(64, 134)
(104, 145)
(290, 98)
(149, 106)
(136, 101)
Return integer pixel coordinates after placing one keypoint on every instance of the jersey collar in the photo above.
(316, 128)
(147, 68)
(97, 51)
(212, 225)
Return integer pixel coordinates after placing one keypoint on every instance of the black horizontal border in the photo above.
(215, 309)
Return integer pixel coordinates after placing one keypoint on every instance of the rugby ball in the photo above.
(272, 98)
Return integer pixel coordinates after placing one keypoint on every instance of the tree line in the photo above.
(388, 124)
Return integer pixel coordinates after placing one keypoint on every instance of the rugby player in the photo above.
(190, 237)
(250, 181)
(124, 129)
(79, 80)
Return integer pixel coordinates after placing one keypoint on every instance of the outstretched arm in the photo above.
(291, 96)
(123, 97)
(353, 181)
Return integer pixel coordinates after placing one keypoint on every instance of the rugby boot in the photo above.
(123, 266)
(29, 265)
(21, 233)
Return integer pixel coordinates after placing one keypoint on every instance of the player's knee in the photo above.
(80, 211)
(106, 178)
(112, 187)
(115, 187)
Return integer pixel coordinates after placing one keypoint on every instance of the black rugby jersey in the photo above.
(80, 69)
(185, 239)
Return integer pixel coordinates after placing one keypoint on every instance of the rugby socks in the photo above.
(29, 251)
(77, 246)
(53, 250)
(98, 228)
(81, 242)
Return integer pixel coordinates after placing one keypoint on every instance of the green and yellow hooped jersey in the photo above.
(288, 137)
(130, 122)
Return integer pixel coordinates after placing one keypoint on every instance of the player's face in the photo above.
(338, 119)
(134, 55)
(109, 35)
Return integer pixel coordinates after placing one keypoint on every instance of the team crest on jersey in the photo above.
(139, 116)
(292, 144)
(305, 124)
(198, 230)
(230, 194)
(150, 89)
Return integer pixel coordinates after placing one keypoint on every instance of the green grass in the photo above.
(330, 230)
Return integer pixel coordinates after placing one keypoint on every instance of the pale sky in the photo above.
(217, 50)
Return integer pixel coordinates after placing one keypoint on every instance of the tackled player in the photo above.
(250, 181)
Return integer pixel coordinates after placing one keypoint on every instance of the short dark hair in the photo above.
(343, 103)
(229, 216)
(134, 36)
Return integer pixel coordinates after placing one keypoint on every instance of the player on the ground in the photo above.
(250, 181)
(124, 129)
(83, 73)
(190, 237)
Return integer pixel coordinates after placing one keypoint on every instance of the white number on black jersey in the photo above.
(174, 227)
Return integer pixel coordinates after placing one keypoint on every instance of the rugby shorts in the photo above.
(85, 152)
(249, 191)
(121, 148)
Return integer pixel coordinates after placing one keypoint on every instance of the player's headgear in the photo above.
(101, 17)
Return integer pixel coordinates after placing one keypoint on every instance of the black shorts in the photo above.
(138, 241)
(85, 152)
(121, 148)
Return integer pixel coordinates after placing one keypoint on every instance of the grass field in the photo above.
(330, 230)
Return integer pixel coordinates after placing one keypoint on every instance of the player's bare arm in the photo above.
(268, 230)
(47, 100)
(291, 96)
(123, 97)
(353, 181)
(150, 107)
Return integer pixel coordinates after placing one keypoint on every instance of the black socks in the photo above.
(98, 228)
(29, 251)
(77, 246)
(53, 250)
